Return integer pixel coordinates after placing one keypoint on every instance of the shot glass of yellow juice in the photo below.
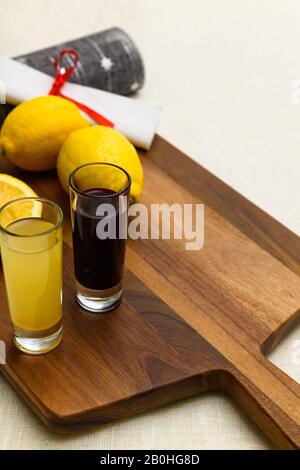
(31, 251)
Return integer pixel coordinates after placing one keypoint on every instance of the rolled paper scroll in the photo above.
(136, 120)
(108, 60)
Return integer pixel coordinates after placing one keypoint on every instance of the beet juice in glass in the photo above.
(99, 195)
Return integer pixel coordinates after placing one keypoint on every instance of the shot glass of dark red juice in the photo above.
(99, 195)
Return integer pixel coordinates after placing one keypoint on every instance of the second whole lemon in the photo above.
(33, 132)
(100, 144)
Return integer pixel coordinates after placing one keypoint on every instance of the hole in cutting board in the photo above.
(284, 353)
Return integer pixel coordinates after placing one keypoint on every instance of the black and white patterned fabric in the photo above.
(108, 60)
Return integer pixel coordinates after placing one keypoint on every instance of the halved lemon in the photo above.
(13, 188)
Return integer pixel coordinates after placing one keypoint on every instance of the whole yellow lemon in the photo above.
(100, 144)
(33, 132)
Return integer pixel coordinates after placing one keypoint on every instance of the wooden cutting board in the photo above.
(190, 321)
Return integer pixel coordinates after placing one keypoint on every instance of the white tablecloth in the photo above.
(223, 73)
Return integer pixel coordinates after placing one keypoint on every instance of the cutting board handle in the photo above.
(262, 399)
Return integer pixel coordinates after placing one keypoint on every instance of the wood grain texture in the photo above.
(189, 321)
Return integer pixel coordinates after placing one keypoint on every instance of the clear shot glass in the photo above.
(31, 251)
(99, 196)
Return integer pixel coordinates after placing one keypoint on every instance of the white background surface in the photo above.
(222, 71)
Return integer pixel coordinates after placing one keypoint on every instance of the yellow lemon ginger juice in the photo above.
(32, 262)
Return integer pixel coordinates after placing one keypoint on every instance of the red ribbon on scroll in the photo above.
(62, 74)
